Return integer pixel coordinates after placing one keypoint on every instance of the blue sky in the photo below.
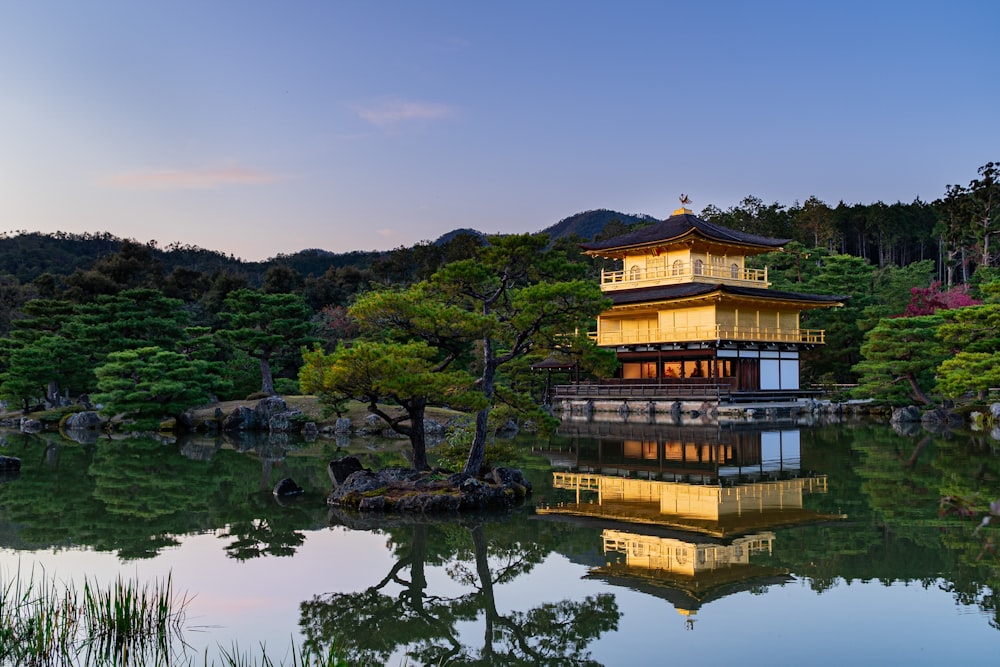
(259, 128)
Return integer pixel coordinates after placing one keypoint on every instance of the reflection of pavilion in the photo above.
(687, 513)
(708, 509)
(687, 573)
(723, 454)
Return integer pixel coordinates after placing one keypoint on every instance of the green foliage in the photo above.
(58, 346)
(841, 275)
(376, 372)
(149, 383)
(971, 329)
(264, 325)
(969, 372)
(452, 453)
(892, 290)
(971, 217)
(901, 356)
(407, 375)
(286, 387)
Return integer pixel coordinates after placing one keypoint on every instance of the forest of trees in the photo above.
(98, 317)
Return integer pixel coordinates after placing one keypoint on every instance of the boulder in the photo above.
(286, 488)
(279, 423)
(31, 425)
(413, 491)
(434, 428)
(342, 425)
(270, 406)
(340, 469)
(88, 420)
(910, 413)
(995, 411)
(241, 418)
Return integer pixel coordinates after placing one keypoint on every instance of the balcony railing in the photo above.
(709, 332)
(682, 273)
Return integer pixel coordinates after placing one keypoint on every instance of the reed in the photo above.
(299, 658)
(44, 623)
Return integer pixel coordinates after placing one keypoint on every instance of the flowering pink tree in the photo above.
(928, 300)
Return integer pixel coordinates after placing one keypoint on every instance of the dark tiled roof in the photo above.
(686, 290)
(677, 226)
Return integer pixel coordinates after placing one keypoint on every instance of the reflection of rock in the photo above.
(408, 490)
(52, 451)
(286, 488)
(200, 450)
(267, 445)
(939, 420)
(10, 468)
(83, 436)
(273, 446)
(908, 428)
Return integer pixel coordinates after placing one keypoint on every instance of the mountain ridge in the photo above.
(26, 255)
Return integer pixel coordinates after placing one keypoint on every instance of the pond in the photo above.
(641, 544)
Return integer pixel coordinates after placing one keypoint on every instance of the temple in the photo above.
(688, 310)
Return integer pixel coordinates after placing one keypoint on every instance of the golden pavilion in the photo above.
(687, 308)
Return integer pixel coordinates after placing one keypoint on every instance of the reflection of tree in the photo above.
(907, 480)
(261, 527)
(134, 496)
(372, 624)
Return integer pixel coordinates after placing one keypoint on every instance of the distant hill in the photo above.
(314, 261)
(448, 237)
(589, 224)
(27, 255)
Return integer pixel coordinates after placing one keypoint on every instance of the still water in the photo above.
(777, 544)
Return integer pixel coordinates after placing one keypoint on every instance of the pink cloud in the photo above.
(391, 113)
(188, 179)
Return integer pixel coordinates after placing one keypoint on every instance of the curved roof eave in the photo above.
(676, 227)
(694, 290)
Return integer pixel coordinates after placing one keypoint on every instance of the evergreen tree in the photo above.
(264, 325)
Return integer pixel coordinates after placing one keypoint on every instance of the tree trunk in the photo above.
(480, 548)
(477, 452)
(266, 379)
(418, 439)
(418, 577)
(918, 393)
(52, 393)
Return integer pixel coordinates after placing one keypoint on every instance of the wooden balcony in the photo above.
(708, 332)
(682, 273)
(692, 389)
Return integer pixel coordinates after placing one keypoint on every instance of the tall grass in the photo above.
(44, 623)
(47, 624)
